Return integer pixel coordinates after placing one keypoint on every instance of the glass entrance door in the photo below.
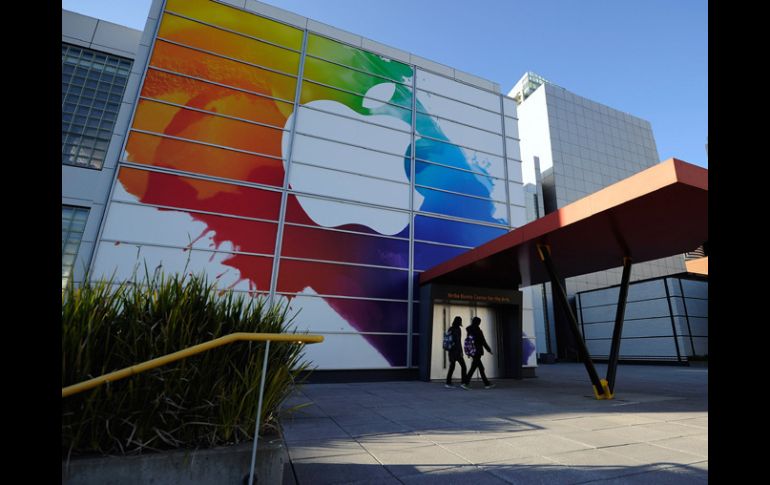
(443, 315)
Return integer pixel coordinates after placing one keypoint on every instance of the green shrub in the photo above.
(205, 400)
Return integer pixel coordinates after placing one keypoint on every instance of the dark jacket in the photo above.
(478, 338)
(456, 352)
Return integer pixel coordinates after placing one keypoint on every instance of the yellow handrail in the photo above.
(195, 349)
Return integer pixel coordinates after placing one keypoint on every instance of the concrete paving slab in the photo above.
(423, 459)
(339, 469)
(674, 429)
(542, 430)
(311, 428)
(688, 444)
(315, 449)
(461, 475)
(654, 455)
(479, 452)
(600, 464)
(678, 475)
(545, 445)
(539, 471)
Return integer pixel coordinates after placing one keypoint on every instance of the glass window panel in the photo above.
(357, 82)
(312, 243)
(437, 105)
(210, 97)
(342, 280)
(332, 183)
(239, 21)
(459, 134)
(224, 71)
(364, 315)
(188, 193)
(376, 112)
(316, 151)
(228, 44)
(253, 271)
(457, 90)
(461, 206)
(87, 104)
(346, 130)
(455, 156)
(73, 221)
(353, 217)
(454, 232)
(429, 255)
(161, 118)
(436, 176)
(128, 223)
(197, 158)
(358, 59)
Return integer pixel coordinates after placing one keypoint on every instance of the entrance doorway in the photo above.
(443, 315)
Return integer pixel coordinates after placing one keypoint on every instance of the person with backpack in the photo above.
(475, 343)
(452, 345)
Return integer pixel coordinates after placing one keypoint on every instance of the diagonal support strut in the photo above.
(601, 391)
(612, 365)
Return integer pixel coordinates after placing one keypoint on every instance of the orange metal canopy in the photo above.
(659, 212)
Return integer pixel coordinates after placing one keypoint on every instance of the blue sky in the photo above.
(648, 58)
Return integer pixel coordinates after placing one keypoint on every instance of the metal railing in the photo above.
(197, 349)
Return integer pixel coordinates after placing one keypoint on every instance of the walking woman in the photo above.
(456, 354)
(480, 344)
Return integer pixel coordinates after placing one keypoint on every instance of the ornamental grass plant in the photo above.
(206, 400)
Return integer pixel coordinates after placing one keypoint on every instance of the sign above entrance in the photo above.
(494, 296)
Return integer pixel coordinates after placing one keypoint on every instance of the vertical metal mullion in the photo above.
(108, 202)
(580, 311)
(505, 165)
(686, 316)
(285, 189)
(673, 323)
(410, 283)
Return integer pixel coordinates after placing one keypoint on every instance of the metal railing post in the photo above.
(259, 413)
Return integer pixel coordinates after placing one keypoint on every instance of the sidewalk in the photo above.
(544, 430)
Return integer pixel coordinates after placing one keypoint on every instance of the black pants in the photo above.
(474, 364)
(463, 370)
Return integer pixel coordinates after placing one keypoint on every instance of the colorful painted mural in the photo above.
(216, 126)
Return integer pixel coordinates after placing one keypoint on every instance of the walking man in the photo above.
(478, 344)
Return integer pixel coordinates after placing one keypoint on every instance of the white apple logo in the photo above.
(347, 159)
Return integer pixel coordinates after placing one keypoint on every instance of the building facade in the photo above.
(571, 147)
(97, 57)
(288, 159)
(666, 319)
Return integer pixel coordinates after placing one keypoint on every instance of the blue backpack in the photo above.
(448, 342)
(470, 346)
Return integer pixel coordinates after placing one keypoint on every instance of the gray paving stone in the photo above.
(314, 449)
(545, 445)
(687, 444)
(478, 452)
(461, 475)
(418, 460)
(654, 455)
(543, 430)
(339, 469)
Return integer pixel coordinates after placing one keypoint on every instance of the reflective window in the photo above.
(73, 223)
(92, 87)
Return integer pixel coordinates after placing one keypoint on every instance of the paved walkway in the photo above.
(546, 430)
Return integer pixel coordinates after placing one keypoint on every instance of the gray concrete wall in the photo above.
(217, 466)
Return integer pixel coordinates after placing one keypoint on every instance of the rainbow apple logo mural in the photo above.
(344, 266)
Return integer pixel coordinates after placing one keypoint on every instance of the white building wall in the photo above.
(85, 187)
